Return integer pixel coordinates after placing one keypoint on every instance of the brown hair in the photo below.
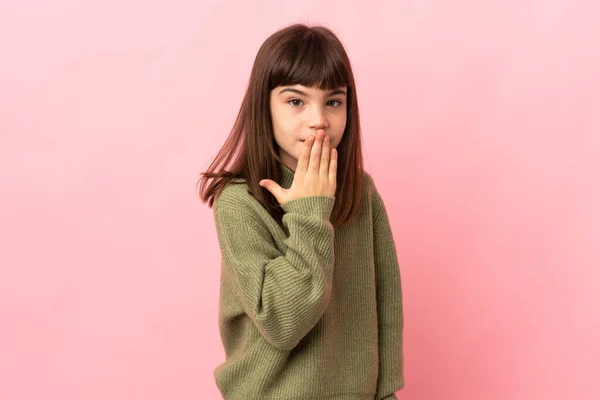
(296, 54)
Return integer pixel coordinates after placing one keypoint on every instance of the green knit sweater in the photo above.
(308, 312)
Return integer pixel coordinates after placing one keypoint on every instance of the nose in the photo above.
(318, 118)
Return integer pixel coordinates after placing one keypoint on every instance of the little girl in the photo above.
(310, 298)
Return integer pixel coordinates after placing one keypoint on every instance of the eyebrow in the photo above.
(331, 93)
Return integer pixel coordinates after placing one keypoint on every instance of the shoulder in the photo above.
(236, 200)
(370, 187)
(235, 194)
(368, 180)
(375, 199)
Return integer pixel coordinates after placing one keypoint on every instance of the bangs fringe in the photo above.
(311, 61)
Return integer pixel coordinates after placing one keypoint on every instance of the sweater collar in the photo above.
(287, 176)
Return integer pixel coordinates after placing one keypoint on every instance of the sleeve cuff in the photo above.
(316, 206)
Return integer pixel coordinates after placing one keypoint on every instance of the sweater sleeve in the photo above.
(389, 304)
(284, 293)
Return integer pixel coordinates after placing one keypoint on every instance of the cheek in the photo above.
(340, 126)
(342, 119)
(291, 124)
(284, 121)
(290, 133)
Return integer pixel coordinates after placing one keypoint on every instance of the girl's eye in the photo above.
(298, 103)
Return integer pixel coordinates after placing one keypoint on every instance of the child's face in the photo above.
(298, 111)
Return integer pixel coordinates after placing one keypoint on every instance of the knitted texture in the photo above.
(307, 311)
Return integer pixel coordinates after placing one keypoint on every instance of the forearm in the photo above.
(285, 294)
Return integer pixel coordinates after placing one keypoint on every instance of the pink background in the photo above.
(481, 128)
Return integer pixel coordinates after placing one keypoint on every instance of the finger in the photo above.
(274, 188)
(333, 166)
(302, 165)
(324, 169)
(315, 154)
